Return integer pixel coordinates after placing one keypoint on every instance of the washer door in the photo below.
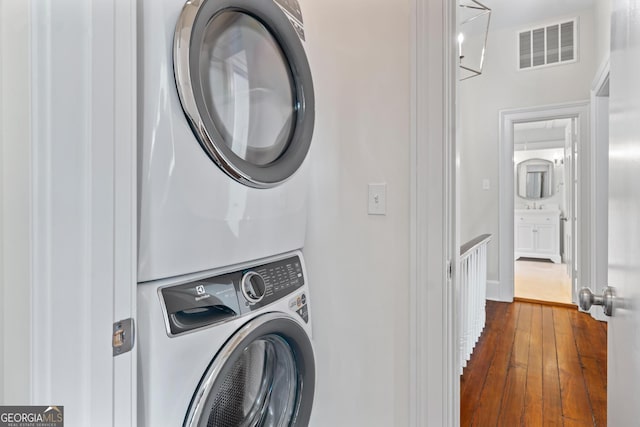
(264, 376)
(245, 86)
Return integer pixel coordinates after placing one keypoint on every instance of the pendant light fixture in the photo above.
(473, 18)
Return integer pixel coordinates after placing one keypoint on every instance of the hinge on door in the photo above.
(449, 270)
(123, 336)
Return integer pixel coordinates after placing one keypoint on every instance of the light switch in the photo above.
(377, 199)
(486, 184)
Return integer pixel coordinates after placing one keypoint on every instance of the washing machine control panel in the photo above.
(280, 278)
(220, 298)
(299, 305)
(253, 287)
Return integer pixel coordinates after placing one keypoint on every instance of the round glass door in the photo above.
(245, 86)
(260, 389)
(264, 376)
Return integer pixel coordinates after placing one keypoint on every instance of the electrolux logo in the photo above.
(31, 416)
(202, 293)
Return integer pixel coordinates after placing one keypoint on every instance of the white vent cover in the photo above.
(550, 45)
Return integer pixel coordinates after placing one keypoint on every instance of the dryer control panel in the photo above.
(220, 298)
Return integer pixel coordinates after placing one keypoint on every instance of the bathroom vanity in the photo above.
(537, 234)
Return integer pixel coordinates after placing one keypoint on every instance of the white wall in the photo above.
(15, 197)
(359, 264)
(502, 86)
(603, 29)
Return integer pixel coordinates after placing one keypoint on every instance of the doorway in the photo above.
(573, 120)
(504, 85)
(543, 202)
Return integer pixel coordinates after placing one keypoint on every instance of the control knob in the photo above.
(253, 287)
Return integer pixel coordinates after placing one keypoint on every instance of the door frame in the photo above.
(83, 211)
(15, 203)
(434, 394)
(507, 118)
(600, 189)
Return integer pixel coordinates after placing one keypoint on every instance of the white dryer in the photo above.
(226, 115)
(227, 348)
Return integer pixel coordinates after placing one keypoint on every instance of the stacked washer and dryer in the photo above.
(226, 114)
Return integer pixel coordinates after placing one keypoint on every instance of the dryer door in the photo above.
(245, 86)
(263, 376)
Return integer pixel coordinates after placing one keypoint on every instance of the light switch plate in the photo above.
(486, 184)
(377, 200)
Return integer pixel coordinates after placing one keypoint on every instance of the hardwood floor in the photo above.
(536, 365)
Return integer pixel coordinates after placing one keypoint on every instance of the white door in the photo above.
(568, 197)
(576, 203)
(624, 215)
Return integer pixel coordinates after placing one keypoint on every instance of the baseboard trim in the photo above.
(542, 302)
(493, 290)
(598, 314)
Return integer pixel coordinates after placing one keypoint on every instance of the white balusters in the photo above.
(473, 291)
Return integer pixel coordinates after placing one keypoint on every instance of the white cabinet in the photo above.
(537, 234)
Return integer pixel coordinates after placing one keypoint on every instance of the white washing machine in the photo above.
(226, 115)
(227, 348)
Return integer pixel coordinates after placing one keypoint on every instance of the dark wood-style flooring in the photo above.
(536, 365)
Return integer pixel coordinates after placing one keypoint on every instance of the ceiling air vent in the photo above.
(549, 45)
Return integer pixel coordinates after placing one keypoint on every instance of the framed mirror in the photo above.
(535, 179)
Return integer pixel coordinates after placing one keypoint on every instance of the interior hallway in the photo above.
(542, 280)
(536, 365)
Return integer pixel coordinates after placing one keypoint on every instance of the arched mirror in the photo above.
(535, 179)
